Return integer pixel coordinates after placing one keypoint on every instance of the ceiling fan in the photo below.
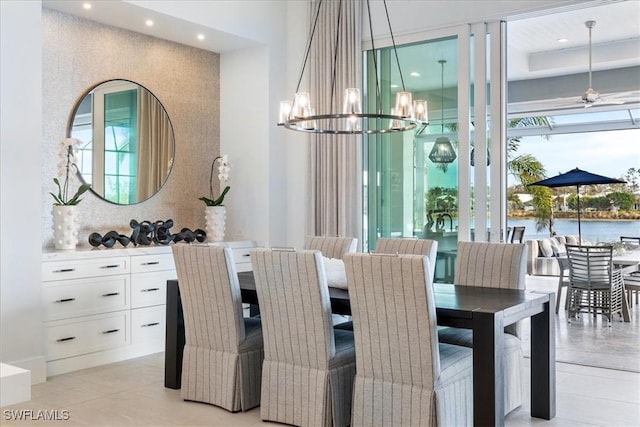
(591, 97)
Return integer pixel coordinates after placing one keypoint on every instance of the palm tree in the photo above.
(527, 169)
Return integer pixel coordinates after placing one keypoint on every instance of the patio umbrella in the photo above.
(577, 177)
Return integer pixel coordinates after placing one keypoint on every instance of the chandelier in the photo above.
(442, 151)
(299, 114)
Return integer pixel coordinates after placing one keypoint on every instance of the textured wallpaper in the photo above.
(77, 55)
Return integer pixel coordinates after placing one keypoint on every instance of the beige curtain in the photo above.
(155, 145)
(336, 160)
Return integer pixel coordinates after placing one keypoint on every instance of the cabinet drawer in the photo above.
(242, 256)
(146, 263)
(149, 289)
(74, 269)
(148, 326)
(65, 338)
(79, 297)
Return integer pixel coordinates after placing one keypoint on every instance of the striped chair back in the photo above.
(294, 307)
(492, 265)
(495, 265)
(410, 246)
(331, 247)
(210, 296)
(394, 317)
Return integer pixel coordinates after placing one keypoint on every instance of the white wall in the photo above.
(20, 183)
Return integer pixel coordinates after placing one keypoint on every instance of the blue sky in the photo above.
(605, 153)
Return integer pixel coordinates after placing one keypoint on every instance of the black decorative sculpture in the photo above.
(108, 240)
(147, 233)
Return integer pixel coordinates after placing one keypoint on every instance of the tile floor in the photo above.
(132, 393)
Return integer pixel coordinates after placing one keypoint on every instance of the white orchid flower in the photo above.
(223, 176)
(66, 171)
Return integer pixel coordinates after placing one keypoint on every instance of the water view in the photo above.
(593, 231)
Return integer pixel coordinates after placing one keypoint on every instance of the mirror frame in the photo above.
(70, 125)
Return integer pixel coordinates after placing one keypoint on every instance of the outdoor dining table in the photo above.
(484, 310)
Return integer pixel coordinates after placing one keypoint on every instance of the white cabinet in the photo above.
(105, 305)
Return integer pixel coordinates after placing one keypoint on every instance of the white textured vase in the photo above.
(66, 223)
(215, 217)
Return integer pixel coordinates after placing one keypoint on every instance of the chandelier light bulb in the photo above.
(404, 105)
(285, 111)
(301, 105)
(420, 110)
(352, 104)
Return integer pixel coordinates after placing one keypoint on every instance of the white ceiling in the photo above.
(533, 49)
(616, 40)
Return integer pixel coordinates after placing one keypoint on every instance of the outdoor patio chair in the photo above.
(595, 287)
(518, 234)
(633, 241)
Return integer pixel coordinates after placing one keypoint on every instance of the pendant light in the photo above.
(300, 115)
(442, 151)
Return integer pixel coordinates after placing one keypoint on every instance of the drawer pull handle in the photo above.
(150, 290)
(64, 270)
(66, 300)
(110, 331)
(65, 339)
(246, 254)
(111, 294)
(111, 266)
(150, 324)
(151, 263)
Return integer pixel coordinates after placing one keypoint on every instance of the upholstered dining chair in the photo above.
(497, 265)
(331, 247)
(223, 352)
(410, 246)
(308, 370)
(595, 287)
(404, 376)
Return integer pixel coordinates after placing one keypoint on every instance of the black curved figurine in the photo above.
(108, 240)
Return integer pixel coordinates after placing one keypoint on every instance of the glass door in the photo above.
(424, 183)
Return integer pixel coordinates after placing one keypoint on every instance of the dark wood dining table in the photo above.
(484, 310)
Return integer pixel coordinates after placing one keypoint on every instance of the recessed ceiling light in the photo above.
(200, 36)
(149, 23)
(393, 86)
(87, 6)
(563, 40)
(414, 74)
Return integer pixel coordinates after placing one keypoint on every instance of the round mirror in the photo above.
(127, 142)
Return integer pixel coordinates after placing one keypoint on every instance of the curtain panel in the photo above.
(336, 160)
